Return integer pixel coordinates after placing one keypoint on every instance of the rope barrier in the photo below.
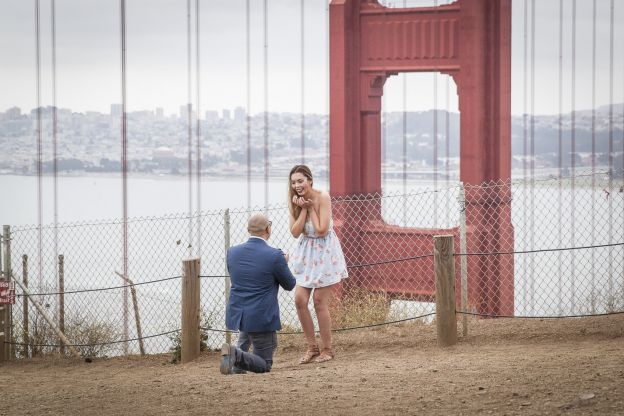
(216, 330)
(538, 251)
(100, 289)
(92, 344)
(227, 331)
(539, 317)
(355, 266)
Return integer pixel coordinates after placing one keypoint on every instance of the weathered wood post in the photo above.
(61, 284)
(190, 311)
(135, 305)
(25, 329)
(226, 239)
(446, 321)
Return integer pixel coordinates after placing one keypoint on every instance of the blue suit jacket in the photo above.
(256, 271)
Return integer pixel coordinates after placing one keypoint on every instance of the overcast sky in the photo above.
(88, 56)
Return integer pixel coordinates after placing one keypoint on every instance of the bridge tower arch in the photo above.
(469, 40)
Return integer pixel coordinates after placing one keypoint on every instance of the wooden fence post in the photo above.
(446, 321)
(25, 329)
(190, 311)
(61, 276)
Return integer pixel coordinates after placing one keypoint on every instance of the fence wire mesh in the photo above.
(540, 248)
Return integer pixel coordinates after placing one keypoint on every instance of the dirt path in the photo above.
(528, 367)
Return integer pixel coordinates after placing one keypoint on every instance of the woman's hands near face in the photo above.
(301, 202)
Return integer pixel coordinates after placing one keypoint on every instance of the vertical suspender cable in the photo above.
(447, 142)
(302, 24)
(611, 149)
(266, 104)
(532, 197)
(384, 142)
(525, 137)
(404, 143)
(525, 92)
(436, 42)
(189, 126)
(124, 169)
(532, 95)
(383, 134)
(198, 153)
(622, 167)
(404, 149)
(327, 160)
(248, 115)
(54, 138)
(560, 157)
(573, 159)
(593, 154)
(593, 117)
(39, 149)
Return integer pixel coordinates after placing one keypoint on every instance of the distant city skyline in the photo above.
(238, 113)
(88, 57)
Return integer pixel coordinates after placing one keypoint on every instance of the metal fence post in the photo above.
(61, 276)
(25, 329)
(6, 347)
(463, 266)
(226, 238)
(190, 311)
(446, 321)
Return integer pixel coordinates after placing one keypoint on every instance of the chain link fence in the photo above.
(540, 248)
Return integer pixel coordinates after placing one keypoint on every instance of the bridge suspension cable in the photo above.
(124, 166)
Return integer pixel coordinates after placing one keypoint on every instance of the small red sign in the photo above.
(7, 293)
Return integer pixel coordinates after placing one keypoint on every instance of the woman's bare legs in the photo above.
(302, 297)
(322, 299)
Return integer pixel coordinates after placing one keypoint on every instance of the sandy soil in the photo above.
(528, 367)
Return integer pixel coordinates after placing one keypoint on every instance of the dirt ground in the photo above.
(503, 367)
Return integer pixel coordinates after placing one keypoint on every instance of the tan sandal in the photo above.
(309, 355)
(325, 355)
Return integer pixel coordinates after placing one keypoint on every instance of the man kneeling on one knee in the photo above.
(256, 271)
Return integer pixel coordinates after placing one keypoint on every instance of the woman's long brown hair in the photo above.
(295, 210)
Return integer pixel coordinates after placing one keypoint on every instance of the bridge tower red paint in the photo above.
(470, 40)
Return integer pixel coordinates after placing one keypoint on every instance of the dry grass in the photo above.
(359, 308)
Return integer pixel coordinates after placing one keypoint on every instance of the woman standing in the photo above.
(317, 263)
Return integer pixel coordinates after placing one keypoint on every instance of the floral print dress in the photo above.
(318, 261)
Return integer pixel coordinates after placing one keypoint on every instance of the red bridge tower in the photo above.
(470, 40)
